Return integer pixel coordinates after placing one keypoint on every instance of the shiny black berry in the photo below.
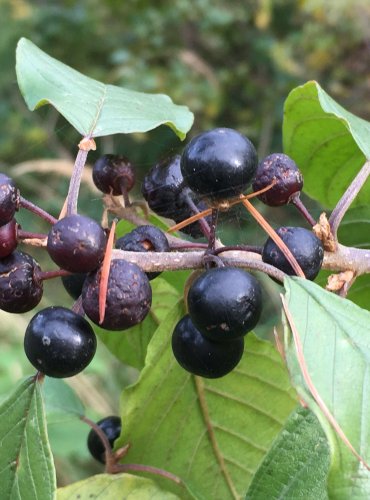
(112, 174)
(219, 164)
(73, 284)
(9, 199)
(225, 303)
(111, 426)
(8, 238)
(59, 343)
(201, 356)
(129, 296)
(77, 243)
(144, 239)
(304, 245)
(282, 170)
(20, 288)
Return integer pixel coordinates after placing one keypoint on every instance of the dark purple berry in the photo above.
(111, 426)
(59, 343)
(304, 245)
(201, 356)
(144, 239)
(9, 199)
(129, 296)
(282, 170)
(225, 303)
(8, 238)
(73, 284)
(219, 164)
(77, 243)
(112, 173)
(167, 195)
(162, 187)
(20, 288)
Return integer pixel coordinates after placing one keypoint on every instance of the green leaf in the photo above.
(213, 434)
(130, 346)
(26, 462)
(61, 401)
(94, 109)
(354, 230)
(328, 143)
(335, 335)
(297, 464)
(109, 487)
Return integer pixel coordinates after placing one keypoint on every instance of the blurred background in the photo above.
(232, 63)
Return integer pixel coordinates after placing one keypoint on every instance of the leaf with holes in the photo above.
(213, 434)
(328, 143)
(108, 487)
(297, 464)
(94, 109)
(130, 346)
(26, 464)
(335, 335)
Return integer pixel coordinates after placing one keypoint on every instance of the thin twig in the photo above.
(348, 197)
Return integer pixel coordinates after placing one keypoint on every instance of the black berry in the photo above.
(59, 343)
(225, 303)
(162, 187)
(8, 238)
(112, 174)
(219, 164)
(144, 239)
(20, 288)
(128, 300)
(304, 245)
(111, 426)
(77, 243)
(9, 199)
(73, 284)
(282, 170)
(201, 356)
(167, 194)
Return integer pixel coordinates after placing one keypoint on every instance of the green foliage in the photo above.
(328, 143)
(233, 436)
(107, 487)
(337, 358)
(26, 462)
(93, 108)
(297, 464)
(211, 433)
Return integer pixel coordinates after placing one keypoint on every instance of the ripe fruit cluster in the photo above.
(224, 303)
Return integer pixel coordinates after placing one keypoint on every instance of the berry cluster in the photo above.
(224, 303)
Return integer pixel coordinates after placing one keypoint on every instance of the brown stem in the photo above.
(298, 203)
(48, 275)
(27, 235)
(348, 197)
(146, 468)
(28, 205)
(74, 185)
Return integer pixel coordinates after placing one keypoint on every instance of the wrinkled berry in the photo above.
(282, 170)
(20, 288)
(129, 296)
(9, 199)
(77, 243)
(144, 239)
